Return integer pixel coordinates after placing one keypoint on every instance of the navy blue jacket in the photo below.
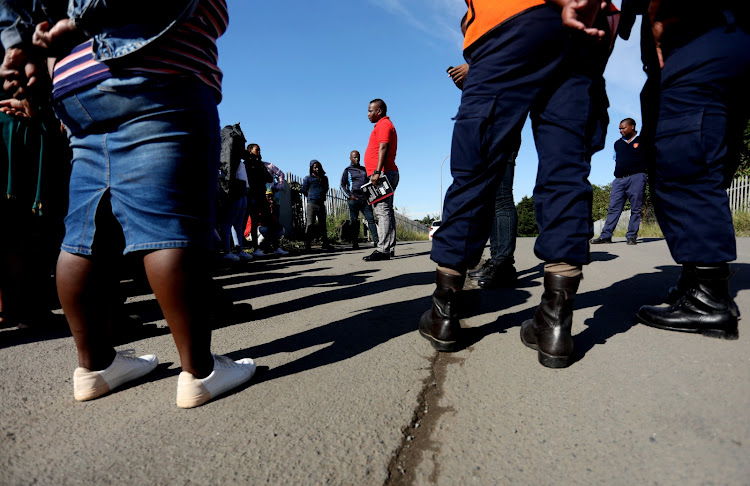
(352, 180)
(629, 158)
(316, 189)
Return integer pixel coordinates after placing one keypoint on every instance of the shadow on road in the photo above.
(350, 336)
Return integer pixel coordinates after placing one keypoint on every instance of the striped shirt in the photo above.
(188, 49)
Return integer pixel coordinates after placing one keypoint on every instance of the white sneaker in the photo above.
(231, 257)
(88, 384)
(258, 253)
(227, 374)
(244, 256)
(279, 251)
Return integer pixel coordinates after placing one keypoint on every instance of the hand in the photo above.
(374, 179)
(19, 108)
(19, 72)
(662, 18)
(580, 15)
(51, 38)
(458, 75)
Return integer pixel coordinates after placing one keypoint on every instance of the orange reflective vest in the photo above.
(485, 15)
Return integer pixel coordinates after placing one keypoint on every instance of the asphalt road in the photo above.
(348, 393)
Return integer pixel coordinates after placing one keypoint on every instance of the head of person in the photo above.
(316, 168)
(627, 128)
(354, 158)
(269, 196)
(254, 149)
(376, 110)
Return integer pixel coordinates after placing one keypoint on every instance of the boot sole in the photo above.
(547, 360)
(728, 334)
(444, 346)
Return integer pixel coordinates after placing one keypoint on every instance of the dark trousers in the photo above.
(359, 205)
(703, 109)
(316, 210)
(633, 188)
(505, 226)
(258, 210)
(524, 68)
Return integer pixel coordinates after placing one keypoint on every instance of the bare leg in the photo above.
(82, 297)
(177, 277)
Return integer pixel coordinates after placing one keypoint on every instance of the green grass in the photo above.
(652, 230)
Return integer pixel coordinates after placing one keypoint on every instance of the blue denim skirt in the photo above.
(153, 145)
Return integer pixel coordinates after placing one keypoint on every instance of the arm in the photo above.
(276, 174)
(305, 185)
(345, 187)
(382, 153)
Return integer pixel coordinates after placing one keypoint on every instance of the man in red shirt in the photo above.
(380, 159)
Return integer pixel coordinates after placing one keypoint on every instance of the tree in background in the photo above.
(744, 168)
(526, 217)
(427, 220)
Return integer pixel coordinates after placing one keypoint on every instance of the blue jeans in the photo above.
(234, 218)
(633, 188)
(153, 144)
(505, 226)
(359, 205)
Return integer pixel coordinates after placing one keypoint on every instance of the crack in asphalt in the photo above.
(417, 442)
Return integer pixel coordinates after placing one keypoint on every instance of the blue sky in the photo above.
(298, 76)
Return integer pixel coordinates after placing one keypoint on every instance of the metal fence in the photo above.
(337, 205)
(739, 194)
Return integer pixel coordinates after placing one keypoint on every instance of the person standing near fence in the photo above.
(258, 178)
(315, 189)
(351, 182)
(380, 159)
(630, 183)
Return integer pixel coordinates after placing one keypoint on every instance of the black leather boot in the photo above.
(706, 307)
(686, 282)
(440, 324)
(549, 332)
(492, 274)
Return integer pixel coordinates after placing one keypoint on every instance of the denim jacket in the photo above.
(118, 27)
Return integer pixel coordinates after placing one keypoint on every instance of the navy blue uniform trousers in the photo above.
(526, 66)
(703, 109)
(633, 188)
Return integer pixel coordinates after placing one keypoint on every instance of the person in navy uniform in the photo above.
(702, 71)
(523, 61)
(630, 183)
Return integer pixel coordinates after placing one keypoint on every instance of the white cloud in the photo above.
(438, 19)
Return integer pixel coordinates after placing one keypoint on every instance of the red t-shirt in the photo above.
(383, 132)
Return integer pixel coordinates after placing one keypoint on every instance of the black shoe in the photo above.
(632, 241)
(355, 246)
(549, 332)
(706, 307)
(492, 275)
(440, 324)
(393, 253)
(376, 256)
(598, 241)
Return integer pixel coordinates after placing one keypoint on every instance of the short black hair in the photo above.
(250, 146)
(629, 121)
(381, 104)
